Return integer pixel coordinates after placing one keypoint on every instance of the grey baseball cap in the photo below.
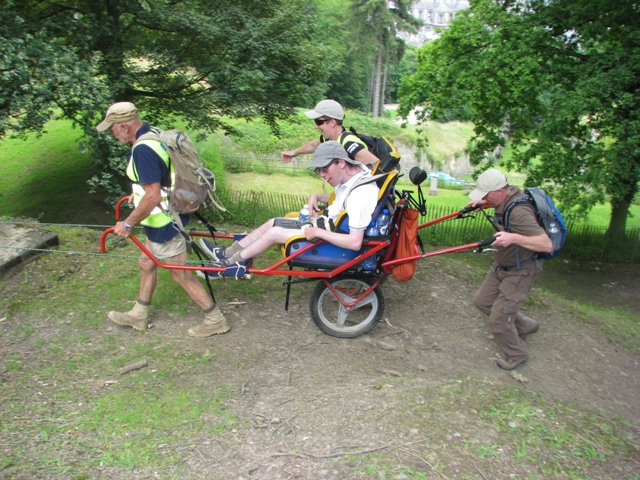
(329, 151)
(327, 108)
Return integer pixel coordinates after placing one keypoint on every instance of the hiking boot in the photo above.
(532, 331)
(525, 325)
(216, 252)
(214, 323)
(511, 364)
(136, 318)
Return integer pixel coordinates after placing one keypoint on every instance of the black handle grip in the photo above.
(488, 241)
(470, 209)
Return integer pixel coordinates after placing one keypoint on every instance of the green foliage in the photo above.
(254, 136)
(193, 59)
(347, 69)
(558, 80)
(377, 23)
(41, 75)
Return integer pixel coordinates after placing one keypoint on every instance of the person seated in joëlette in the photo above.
(332, 163)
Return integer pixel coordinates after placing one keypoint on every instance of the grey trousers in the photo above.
(500, 297)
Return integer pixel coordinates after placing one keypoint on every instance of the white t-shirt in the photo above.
(361, 202)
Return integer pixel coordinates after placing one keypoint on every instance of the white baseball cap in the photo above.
(489, 181)
(327, 108)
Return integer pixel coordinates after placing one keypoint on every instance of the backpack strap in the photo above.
(525, 199)
(364, 180)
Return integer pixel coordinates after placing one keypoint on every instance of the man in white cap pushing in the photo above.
(515, 268)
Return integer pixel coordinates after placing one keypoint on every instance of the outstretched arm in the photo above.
(308, 147)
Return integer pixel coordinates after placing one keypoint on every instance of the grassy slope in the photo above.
(45, 177)
(41, 172)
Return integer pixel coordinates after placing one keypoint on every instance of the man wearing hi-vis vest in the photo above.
(148, 168)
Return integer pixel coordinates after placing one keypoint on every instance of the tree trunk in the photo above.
(618, 221)
(615, 239)
(378, 81)
(383, 92)
(372, 77)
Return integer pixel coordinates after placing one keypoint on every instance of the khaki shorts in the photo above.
(173, 247)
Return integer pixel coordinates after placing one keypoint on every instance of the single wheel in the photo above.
(334, 319)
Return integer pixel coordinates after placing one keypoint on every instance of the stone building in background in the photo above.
(435, 14)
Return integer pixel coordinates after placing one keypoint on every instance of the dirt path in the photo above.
(309, 395)
(307, 401)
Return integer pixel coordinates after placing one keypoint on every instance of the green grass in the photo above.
(45, 177)
(42, 171)
(454, 199)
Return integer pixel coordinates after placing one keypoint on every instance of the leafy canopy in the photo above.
(191, 59)
(559, 79)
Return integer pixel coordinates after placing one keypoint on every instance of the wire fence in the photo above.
(584, 242)
(267, 165)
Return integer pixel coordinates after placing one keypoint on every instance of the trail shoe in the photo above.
(136, 318)
(214, 324)
(532, 331)
(214, 251)
(511, 364)
(525, 325)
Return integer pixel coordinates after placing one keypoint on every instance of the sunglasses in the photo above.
(320, 121)
(326, 169)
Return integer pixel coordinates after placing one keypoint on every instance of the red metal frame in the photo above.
(275, 269)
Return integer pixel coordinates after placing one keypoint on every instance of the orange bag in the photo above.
(406, 246)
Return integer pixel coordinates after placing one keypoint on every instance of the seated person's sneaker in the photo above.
(214, 251)
(211, 275)
(238, 269)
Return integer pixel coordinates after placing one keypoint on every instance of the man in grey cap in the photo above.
(328, 116)
(332, 163)
(148, 169)
(515, 268)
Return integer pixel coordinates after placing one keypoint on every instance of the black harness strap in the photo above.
(198, 251)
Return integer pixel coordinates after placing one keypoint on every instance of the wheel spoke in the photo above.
(342, 316)
(368, 300)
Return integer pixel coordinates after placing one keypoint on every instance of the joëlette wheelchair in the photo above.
(348, 300)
